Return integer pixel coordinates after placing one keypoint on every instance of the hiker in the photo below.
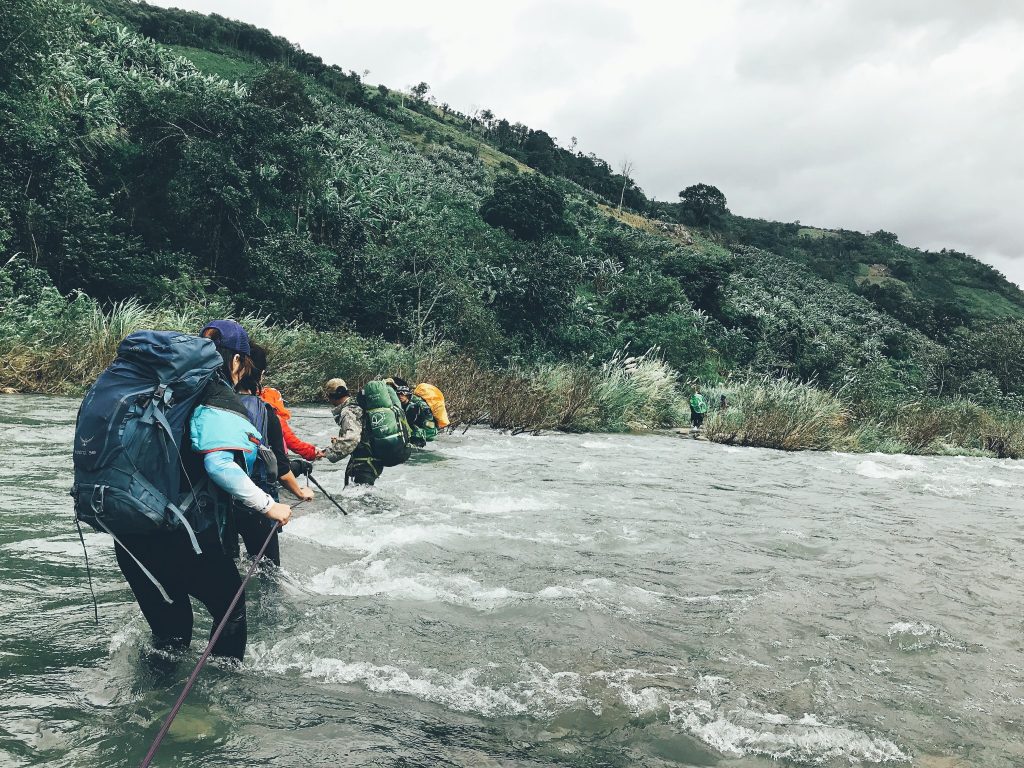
(723, 404)
(167, 522)
(292, 442)
(417, 413)
(362, 469)
(372, 430)
(698, 407)
(268, 473)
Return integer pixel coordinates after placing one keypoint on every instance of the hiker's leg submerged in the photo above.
(171, 623)
(362, 471)
(214, 580)
(254, 530)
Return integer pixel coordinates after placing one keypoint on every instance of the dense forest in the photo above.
(178, 158)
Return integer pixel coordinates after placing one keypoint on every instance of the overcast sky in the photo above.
(904, 115)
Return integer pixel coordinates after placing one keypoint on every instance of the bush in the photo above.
(527, 206)
(776, 413)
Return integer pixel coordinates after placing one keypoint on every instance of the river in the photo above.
(560, 600)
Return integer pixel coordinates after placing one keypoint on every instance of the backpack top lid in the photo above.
(169, 356)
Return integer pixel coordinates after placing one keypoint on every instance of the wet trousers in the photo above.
(254, 529)
(211, 578)
(362, 470)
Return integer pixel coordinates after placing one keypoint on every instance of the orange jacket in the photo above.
(291, 440)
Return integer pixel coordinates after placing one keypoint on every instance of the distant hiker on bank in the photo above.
(417, 412)
(723, 404)
(162, 447)
(271, 469)
(698, 408)
(372, 430)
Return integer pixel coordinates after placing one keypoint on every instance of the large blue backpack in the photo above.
(128, 439)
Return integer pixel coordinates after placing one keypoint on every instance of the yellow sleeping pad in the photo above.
(435, 399)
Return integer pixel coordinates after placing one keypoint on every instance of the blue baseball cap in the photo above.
(231, 336)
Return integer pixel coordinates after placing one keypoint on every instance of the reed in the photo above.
(777, 413)
(59, 345)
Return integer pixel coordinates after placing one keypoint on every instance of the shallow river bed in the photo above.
(557, 600)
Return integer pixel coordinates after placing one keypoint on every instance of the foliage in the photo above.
(282, 194)
(528, 207)
(703, 205)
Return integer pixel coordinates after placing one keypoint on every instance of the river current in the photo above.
(558, 600)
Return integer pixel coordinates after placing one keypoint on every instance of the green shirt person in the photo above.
(698, 407)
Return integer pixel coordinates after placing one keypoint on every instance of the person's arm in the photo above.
(350, 432)
(217, 434)
(231, 478)
(293, 443)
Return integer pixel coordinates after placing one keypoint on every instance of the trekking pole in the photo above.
(325, 493)
(301, 467)
(206, 652)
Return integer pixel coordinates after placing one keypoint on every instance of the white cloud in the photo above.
(865, 114)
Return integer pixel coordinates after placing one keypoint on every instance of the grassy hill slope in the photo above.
(208, 161)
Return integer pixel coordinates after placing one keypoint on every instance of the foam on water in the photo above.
(503, 505)
(535, 691)
(874, 470)
(733, 727)
(375, 577)
(918, 635)
(368, 576)
(365, 535)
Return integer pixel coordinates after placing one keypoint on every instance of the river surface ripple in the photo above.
(557, 600)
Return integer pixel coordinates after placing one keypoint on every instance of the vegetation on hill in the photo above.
(182, 160)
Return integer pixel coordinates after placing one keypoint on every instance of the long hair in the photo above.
(253, 373)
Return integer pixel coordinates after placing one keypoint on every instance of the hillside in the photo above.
(174, 157)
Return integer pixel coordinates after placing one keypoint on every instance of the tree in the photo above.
(627, 171)
(703, 204)
(527, 206)
(420, 91)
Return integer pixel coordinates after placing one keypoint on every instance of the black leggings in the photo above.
(254, 529)
(210, 577)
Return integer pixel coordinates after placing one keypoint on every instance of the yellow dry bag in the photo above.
(435, 399)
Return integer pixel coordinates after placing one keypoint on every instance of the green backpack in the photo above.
(387, 429)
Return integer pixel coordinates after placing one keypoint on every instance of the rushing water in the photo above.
(557, 600)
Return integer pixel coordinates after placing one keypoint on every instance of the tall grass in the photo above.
(776, 413)
(61, 345)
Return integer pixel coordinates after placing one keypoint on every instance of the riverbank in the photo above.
(59, 345)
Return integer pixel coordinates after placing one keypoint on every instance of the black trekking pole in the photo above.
(325, 493)
(209, 648)
(301, 467)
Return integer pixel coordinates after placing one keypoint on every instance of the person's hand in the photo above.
(282, 513)
(320, 453)
(305, 494)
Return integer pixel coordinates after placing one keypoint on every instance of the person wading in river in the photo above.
(352, 440)
(698, 408)
(166, 506)
(268, 475)
(417, 413)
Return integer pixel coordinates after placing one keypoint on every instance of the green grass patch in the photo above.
(229, 67)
